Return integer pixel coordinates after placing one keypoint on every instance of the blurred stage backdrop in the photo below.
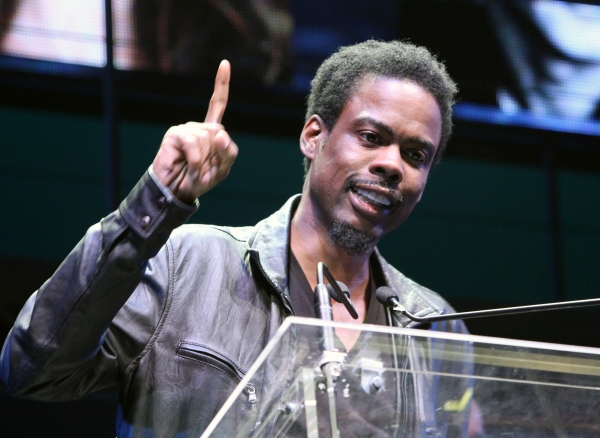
(510, 217)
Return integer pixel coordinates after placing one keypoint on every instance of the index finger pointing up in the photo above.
(218, 101)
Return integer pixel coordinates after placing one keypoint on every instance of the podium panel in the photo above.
(398, 382)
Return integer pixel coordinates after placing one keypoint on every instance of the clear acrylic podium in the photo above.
(413, 383)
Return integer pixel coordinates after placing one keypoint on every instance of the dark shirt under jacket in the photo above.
(302, 296)
(377, 421)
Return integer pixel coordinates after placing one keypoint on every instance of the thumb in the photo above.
(226, 151)
(221, 141)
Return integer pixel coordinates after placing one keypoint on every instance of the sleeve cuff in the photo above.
(151, 208)
(168, 194)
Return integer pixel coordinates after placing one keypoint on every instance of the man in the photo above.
(175, 317)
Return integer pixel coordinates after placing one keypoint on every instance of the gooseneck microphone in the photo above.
(389, 298)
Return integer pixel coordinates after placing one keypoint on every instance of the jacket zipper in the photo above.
(251, 391)
(204, 354)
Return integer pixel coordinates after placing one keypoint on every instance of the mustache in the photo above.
(353, 181)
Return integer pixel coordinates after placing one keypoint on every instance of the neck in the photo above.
(311, 244)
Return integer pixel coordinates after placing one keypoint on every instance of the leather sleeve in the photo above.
(78, 332)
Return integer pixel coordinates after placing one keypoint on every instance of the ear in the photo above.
(312, 136)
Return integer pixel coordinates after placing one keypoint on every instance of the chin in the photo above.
(353, 240)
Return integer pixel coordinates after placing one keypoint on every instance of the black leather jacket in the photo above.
(172, 316)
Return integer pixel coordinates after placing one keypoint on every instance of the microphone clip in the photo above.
(341, 292)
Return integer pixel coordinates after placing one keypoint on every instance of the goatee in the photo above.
(351, 239)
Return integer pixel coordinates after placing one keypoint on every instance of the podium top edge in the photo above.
(440, 335)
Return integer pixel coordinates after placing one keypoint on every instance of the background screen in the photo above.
(524, 62)
(273, 42)
(533, 63)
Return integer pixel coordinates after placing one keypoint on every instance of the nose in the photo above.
(388, 164)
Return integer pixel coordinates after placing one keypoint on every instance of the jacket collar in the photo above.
(269, 247)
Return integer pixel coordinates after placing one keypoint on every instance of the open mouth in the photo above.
(379, 195)
(373, 198)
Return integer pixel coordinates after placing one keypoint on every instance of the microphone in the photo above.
(333, 294)
(388, 297)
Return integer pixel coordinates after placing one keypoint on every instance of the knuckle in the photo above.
(216, 98)
(212, 127)
(171, 132)
(202, 135)
(188, 138)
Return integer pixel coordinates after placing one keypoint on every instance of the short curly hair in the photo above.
(339, 75)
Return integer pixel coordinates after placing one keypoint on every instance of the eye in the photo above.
(417, 156)
(370, 137)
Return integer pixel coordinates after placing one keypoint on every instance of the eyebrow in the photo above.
(379, 125)
(383, 127)
(427, 144)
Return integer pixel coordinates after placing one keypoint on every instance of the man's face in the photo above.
(369, 172)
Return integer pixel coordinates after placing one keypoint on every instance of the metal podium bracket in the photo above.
(335, 359)
(371, 375)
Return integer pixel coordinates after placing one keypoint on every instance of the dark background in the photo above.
(510, 217)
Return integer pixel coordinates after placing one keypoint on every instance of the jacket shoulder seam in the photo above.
(224, 230)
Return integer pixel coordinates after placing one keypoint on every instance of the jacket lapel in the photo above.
(268, 246)
(410, 294)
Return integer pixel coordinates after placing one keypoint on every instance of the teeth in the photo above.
(376, 197)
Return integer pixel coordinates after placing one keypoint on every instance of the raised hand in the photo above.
(194, 157)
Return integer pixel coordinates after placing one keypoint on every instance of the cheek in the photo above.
(416, 189)
(421, 190)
